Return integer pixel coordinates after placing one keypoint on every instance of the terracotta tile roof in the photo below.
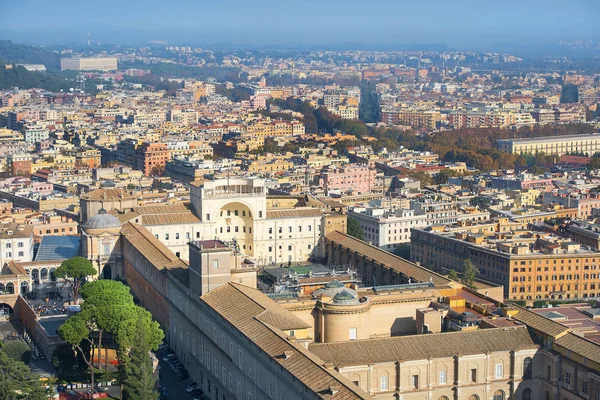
(169, 219)
(422, 347)
(107, 194)
(162, 209)
(284, 321)
(13, 230)
(584, 347)
(241, 306)
(540, 323)
(13, 268)
(124, 217)
(388, 259)
(152, 248)
(294, 213)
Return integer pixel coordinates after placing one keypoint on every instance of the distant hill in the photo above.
(19, 77)
(19, 53)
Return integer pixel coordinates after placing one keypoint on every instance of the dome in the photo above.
(108, 184)
(345, 297)
(334, 284)
(333, 288)
(102, 220)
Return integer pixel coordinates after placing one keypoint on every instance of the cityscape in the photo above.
(333, 202)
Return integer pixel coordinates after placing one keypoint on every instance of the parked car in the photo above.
(192, 386)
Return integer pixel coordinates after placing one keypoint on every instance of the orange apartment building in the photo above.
(150, 156)
(88, 158)
(530, 265)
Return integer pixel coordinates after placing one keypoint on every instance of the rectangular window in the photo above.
(415, 381)
(21, 254)
(352, 333)
(215, 264)
(20, 244)
(177, 235)
(584, 387)
(383, 383)
(499, 371)
(568, 378)
(474, 375)
(442, 380)
(166, 236)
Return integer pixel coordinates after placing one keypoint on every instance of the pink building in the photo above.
(352, 177)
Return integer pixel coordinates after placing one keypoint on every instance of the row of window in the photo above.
(442, 377)
(290, 229)
(289, 248)
(10, 254)
(19, 244)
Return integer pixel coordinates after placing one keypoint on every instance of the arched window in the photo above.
(547, 395)
(527, 368)
(473, 397)
(526, 394)
(498, 395)
(443, 398)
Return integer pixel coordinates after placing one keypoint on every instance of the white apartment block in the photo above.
(387, 228)
(16, 243)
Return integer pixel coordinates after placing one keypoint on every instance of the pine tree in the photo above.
(469, 274)
(140, 383)
(453, 275)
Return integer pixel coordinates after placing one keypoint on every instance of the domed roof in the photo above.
(334, 284)
(344, 297)
(108, 184)
(102, 220)
(332, 289)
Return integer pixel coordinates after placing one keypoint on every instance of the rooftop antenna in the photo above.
(89, 39)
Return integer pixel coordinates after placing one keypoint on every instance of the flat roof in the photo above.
(562, 138)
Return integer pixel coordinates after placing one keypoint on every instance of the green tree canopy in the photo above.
(105, 292)
(17, 382)
(18, 350)
(469, 274)
(354, 229)
(140, 383)
(453, 275)
(76, 269)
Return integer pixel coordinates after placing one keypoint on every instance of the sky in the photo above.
(453, 22)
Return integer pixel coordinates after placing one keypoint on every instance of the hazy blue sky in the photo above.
(455, 22)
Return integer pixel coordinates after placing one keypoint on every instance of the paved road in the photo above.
(175, 388)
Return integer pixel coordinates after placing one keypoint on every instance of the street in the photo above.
(168, 380)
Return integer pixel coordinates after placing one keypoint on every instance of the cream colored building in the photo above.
(89, 64)
(232, 210)
(559, 145)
